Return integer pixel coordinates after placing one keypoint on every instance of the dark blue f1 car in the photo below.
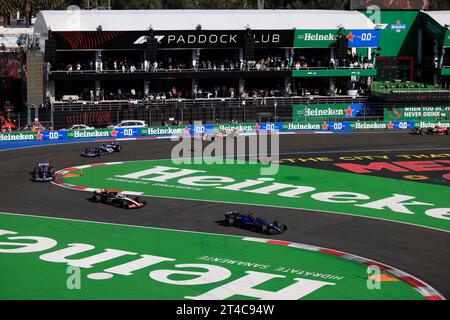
(249, 222)
(105, 148)
(43, 172)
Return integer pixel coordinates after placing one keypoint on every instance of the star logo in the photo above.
(186, 129)
(349, 112)
(398, 22)
(324, 126)
(350, 36)
(257, 127)
(39, 136)
(114, 133)
(390, 125)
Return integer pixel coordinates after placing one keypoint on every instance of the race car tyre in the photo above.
(35, 176)
(124, 204)
(278, 224)
(96, 198)
(229, 221)
(264, 229)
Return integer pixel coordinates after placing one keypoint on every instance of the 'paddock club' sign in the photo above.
(172, 39)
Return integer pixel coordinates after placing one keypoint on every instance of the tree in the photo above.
(136, 4)
(31, 7)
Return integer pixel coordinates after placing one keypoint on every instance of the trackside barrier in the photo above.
(243, 128)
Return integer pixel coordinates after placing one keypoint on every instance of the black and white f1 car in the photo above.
(437, 130)
(217, 134)
(43, 172)
(118, 199)
(105, 148)
(249, 222)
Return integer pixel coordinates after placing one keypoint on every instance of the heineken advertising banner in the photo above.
(163, 131)
(417, 113)
(17, 136)
(81, 134)
(319, 118)
(376, 125)
(431, 124)
(328, 38)
(308, 112)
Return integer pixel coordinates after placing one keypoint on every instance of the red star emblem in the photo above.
(398, 22)
(114, 133)
(257, 127)
(39, 136)
(324, 126)
(349, 112)
(186, 129)
(390, 125)
(350, 36)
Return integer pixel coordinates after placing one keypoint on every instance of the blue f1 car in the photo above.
(105, 148)
(247, 221)
(43, 172)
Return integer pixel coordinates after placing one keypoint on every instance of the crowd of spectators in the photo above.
(168, 64)
(262, 64)
(352, 61)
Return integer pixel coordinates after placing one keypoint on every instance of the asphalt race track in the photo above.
(422, 252)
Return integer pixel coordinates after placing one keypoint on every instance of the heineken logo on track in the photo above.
(87, 260)
(235, 181)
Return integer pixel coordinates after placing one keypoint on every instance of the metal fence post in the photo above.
(150, 116)
(51, 117)
(182, 115)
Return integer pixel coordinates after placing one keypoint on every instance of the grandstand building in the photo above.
(185, 54)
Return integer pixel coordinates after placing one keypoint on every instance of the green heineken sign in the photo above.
(302, 126)
(15, 136)
(417, 113)
(156, 131)
(310, 112)
(79, 134)
(315, 38)
(368, 125)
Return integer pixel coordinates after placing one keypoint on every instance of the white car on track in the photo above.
(79, 127)
(129, 124)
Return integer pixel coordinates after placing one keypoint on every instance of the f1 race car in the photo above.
(437, 130)
(247, 221)
(117, 199)
(105, 148)
(43, 172)
(216, 134)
